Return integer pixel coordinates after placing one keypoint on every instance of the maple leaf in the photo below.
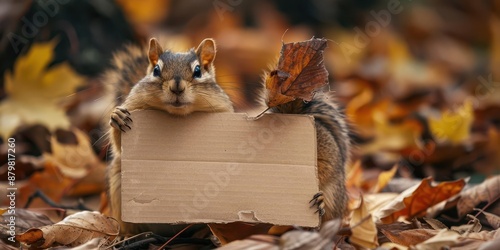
(33, 91)
(299, 74)
(453, 126)
(416, 200)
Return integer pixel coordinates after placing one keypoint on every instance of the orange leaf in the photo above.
(299, 74)
(415, 203)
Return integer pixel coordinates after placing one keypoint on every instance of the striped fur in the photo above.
(333, 149)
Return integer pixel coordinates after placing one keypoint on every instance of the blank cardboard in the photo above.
(219, 168)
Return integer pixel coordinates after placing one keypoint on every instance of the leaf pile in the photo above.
(422, 94)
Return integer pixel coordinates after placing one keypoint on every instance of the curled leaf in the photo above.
(299, 74)
(74, 230)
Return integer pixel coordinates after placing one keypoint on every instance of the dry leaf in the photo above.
(312, 240)
(409, 237)
(493, 219)
(237, 230)
(73, 161)
(374, 202)
(384, 178)
(299, 74)
(33, 91)
(74, 230)
(435, 224)
(364, 234)
(416, 200)
(453, 126)
(486, 191)
(442, 239)
(389, 136)
(293, 240)
(25, 219)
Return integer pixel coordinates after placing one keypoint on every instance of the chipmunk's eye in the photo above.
(156, 71)
(197, 72)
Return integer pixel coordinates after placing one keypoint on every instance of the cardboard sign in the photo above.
(219, 168)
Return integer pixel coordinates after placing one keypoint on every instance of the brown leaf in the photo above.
(409, 237)
(237, 230)
(486, 191)
(74, 230)
(25, 219)
(493, 219)
(416, 200)
(299, 74)
(293, 240)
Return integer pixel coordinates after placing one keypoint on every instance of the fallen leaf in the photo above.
(393, 136)
(492, 219)
(312, 240)
(435, 224)
(237, 230)
(443, 239)
(409, 237)
(374, 202)
(74, 230)
(25, 219)
(293, 240)
(453, 126)
(416, 200)
(393, 246)
(384, 178)
(300, 72)
(364, 234)
(33, 91)
(493, 244)
(73, 160)
(486, 191)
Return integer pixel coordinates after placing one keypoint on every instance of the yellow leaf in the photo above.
(364, 234)
(33, 91)
(390, 136)
(384, 178)
(453, 126)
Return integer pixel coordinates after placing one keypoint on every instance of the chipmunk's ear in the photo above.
(206, 52)
(155, 51)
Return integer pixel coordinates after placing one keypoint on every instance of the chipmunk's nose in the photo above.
(177, 91)
(177, 87)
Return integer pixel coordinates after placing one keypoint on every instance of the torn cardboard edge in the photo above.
(219, 168)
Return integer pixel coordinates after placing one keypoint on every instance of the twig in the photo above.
(177, 234)
(50, 202)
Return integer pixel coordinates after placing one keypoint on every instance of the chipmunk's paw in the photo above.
(317, 201)
(120, 119)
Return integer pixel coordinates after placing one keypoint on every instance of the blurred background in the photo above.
(419, 81)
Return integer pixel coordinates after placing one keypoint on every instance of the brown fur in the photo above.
(333, 150)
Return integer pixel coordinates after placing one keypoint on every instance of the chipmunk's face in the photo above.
(179, 76)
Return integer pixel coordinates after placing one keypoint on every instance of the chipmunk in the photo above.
(182, 83)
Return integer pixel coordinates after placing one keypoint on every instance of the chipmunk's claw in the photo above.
(120, 119)
(317, 201)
